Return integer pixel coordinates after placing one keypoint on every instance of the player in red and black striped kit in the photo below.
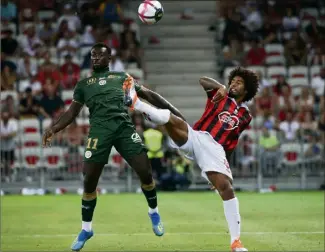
(213, 138)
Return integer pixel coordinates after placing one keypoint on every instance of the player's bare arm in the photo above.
(158, 101)
(210, 84)
(65, 119)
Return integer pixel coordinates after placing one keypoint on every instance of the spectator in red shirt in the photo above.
(256, 55)
(70, 73)
(277, 88)
(49, 72)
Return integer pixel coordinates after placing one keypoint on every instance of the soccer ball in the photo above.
(150, 11)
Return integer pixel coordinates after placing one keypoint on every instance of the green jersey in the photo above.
(103, 94)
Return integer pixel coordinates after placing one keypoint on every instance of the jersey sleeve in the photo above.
(78, 94)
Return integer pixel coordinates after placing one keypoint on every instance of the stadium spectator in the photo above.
(305, 102)
(27, 15)
(70, 73)
(8, 131)
(29, 105)
(308, 126)
(63, 28)
(6, 62)
(313, 149)
(268, 32)
(290, 21)
(248, 155)
(266, 102)
(32, 83)
(8, 78)
(111, 12)
(256, 55)
(26, 66)
(110, 38)
(289, 127)
(8, 10)
(51, 103)
(286, 103)
(253, 21)
(88, 37)
(116, 64)
(295, 50)
(48, 62)
(49, 74)
(321, 126)
(73, 20)
(9, 45)
(11, 107)
(89, 17)
(233, 27)
(263, 82)
(318, 85)
(233, 54)
(269, 152)
(68, 44)
(30, 41)
(281, 82)
(47, 32)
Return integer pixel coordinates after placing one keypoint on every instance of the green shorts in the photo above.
(101, 140)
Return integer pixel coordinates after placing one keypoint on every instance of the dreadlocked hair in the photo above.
(251, 81)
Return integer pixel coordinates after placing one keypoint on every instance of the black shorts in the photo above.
(8, 156)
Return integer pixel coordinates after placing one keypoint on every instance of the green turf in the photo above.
(193, 221)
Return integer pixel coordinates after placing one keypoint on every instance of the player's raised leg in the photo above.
(231, 207)
(92, 172)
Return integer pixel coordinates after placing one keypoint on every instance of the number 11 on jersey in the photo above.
(92, 143)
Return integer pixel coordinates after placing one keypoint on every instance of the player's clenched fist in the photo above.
(47, 137)
(220, 95)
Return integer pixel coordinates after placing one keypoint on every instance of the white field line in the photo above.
(168, 234)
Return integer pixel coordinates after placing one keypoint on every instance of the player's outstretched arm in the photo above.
(210, 84)
(158, 101)
(65, 119)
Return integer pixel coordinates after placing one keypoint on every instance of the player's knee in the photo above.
(226, 190)
(148, 186)
(90, 184)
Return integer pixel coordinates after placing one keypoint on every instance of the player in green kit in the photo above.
(110, 125)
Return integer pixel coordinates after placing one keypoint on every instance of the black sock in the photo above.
(151, 197)
(87, 209)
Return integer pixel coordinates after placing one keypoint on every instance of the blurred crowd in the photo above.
(45, 50)
(284, 42)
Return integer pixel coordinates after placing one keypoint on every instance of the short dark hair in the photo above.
(101, 45)
(251, 81)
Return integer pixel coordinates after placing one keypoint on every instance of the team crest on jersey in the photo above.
(231, 120)
(91, 81)
(102, 82)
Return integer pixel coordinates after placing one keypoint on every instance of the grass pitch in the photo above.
(193, 221)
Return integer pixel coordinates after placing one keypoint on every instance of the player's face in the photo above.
(100, 58)
(237, 88)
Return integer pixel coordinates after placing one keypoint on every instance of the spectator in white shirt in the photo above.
(290, 22)
(26, 66)
(318, 84)
(74, 22)
(30, 41)
(88, 37)
(254, 19)
(8, 131)
(67, 45)
(289, 127)
(116, 65)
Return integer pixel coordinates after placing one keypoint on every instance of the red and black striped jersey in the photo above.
(225, 120)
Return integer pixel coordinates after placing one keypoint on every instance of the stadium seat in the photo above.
(31, 140)
(273, 72)
(274, 49)
(53, 158)
(84, 124)
(308, 13)
(257, 69)
(46, 14)
(291, 153)
(314, 71)
(46, 123)
(29, 126)
(297, 84)
(276, 60)
(298, 72)
(31, 158)
(67, 96)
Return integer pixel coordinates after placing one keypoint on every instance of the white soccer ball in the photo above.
(150, 11)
